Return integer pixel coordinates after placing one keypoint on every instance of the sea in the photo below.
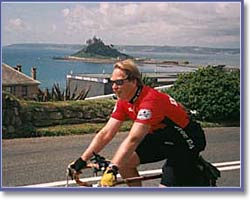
(52, 71)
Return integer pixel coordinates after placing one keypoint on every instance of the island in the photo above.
(97, 51)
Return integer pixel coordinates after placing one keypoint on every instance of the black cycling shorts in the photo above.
(167, 143)
(152, 148)
(159, 145)
(181, 171)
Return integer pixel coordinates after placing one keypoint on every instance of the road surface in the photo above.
(33, 161)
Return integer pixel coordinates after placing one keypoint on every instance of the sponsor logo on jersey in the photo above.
(144, 114)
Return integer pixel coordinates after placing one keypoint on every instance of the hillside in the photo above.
(97, 49)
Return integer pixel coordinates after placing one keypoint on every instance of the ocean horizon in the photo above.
(51, 71)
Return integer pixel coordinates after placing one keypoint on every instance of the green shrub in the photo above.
(148, 81)
(213, 93)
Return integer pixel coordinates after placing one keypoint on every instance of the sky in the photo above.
(209, 24)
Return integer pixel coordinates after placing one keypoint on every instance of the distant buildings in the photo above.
(18, 83)
(23, 86)
(97, 84)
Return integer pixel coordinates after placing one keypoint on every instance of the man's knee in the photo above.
(132, 162)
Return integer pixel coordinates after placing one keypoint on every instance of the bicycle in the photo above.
(99, 164)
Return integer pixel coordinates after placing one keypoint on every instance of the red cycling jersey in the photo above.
(151, 107)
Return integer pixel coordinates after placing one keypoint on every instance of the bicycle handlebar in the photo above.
(118, 182)
(99, 163)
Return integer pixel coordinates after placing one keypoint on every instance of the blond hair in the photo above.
(131, 70)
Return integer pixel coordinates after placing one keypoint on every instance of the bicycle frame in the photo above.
(99, 163)
(118, 182)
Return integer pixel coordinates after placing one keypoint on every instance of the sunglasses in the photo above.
(118, 82)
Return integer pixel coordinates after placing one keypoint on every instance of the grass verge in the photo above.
(76, 129)
(88, 128)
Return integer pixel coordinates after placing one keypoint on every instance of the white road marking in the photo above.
(223, 166)
(226, 163)
(229, 168)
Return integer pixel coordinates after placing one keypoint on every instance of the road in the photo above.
(33, 161)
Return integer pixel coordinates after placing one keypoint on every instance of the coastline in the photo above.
(87, 60)
(146, 61)
(113, 60)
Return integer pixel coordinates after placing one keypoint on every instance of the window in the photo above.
(11, 89)
(24, 91)
(8, 89)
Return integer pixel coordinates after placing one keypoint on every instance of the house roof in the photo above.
(11, 76)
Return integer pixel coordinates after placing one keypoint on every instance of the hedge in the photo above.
(213, 93)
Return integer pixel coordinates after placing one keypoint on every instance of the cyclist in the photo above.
(162, 130)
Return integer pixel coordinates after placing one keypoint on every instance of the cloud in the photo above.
(172, 22)
(132, 23)
(65, 12)
(16, 25)
(53, 28)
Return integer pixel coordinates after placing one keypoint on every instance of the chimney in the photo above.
(19, 68)
(33, 73)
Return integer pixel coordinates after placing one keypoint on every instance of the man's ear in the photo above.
(134, 81)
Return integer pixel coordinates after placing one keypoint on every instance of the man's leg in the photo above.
(168, 178)
(180, 169)
(130, 170)
(151, 149)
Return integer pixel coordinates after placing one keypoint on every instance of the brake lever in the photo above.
(71, 176)
(101, 162)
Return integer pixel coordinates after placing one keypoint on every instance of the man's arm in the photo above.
(129, 145)
(102, 138)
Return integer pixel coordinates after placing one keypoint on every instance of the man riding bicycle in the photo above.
(162, 130)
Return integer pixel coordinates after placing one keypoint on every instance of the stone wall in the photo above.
(21, 118)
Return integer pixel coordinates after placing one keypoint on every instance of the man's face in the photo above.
(122, 87)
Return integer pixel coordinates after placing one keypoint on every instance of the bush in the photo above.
(212, 92)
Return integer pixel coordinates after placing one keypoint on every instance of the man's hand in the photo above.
(75, 167)
(109, 177)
